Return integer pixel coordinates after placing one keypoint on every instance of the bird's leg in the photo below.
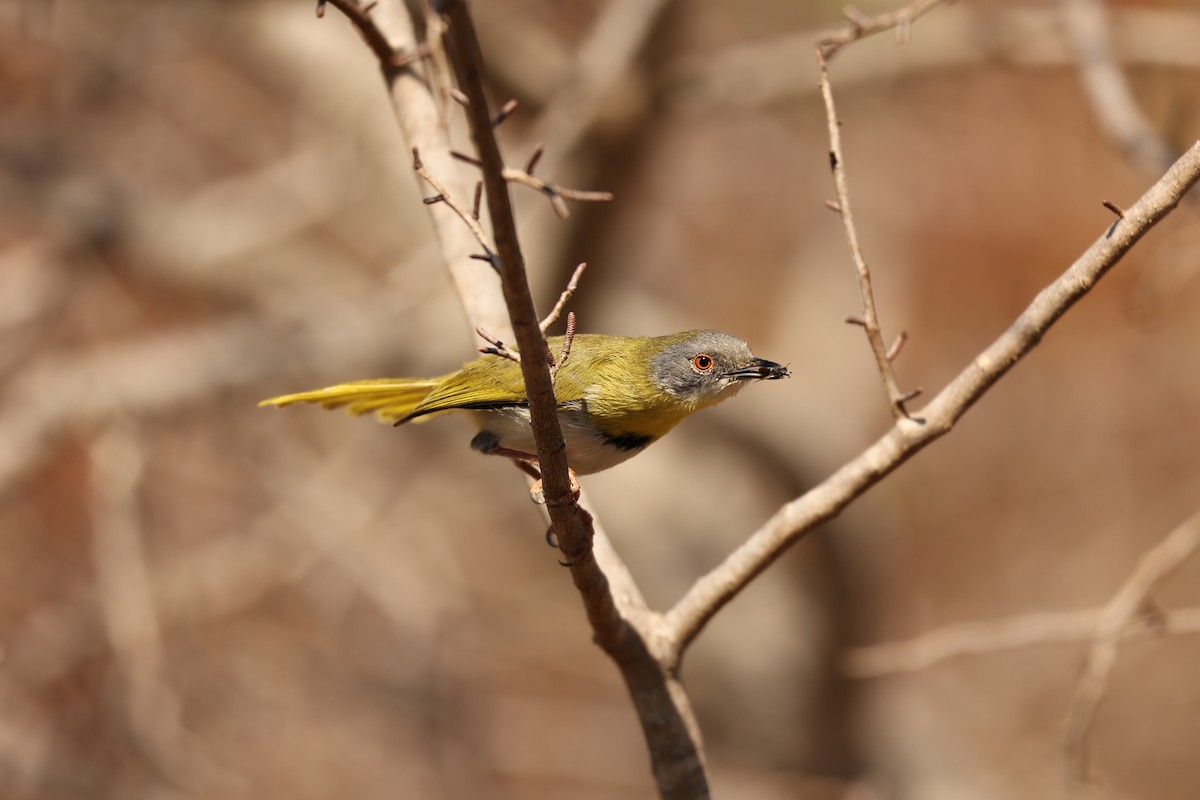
(529, 465)
(487, 444)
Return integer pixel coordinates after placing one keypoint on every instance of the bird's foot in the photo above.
(537, 492)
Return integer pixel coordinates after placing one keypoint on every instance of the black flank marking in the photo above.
(627, 441)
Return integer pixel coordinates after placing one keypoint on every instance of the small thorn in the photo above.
(466, 158)
(913, 395)
(896, 347)
(538, 152)
(833, 160)
(369, 7)
(559, 205)
(478, 198)
(320, 9)
(429, 201)
(416, 159)
(1114, 208)
(504, 111)
(459, 96)
(833, 205)
(856, 321)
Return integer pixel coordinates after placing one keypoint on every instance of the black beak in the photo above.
(760, 369)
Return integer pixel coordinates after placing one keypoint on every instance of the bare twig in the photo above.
(961, 36)
(1011, 633)
(1118, 614)
(567, 293)
(498, 348)
(1124, 618)
(470, 217)
(556, 194)
(568, 339)
(865, 25)
(870, 317)
(906, 438)
(466, 158)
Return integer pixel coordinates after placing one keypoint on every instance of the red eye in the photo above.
(703, 362)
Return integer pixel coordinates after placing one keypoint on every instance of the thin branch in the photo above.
(469, 216)
(1013, 633)
(906, 438)
(963, 36)
(870, 317)
(863, 25)
(556, 194)
(1118, 614)
(621, 623)
(1126, 617)
(567, 293)
(498, 348)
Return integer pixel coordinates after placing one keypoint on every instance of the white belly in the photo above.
(587, 451)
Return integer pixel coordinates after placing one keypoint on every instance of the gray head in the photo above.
(705, 367)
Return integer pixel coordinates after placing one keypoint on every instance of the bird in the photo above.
(616, 395)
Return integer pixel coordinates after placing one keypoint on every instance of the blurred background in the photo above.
(208, 203)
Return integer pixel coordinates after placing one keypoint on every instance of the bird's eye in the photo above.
(703, 362)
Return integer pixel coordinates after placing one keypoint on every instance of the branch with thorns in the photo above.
(470, 217)
(869, 321)
(499, 348)
(557, 195)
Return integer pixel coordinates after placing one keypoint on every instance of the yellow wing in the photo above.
(390, 399)
(486, 383)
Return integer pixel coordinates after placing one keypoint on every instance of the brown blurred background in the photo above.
(206, 203)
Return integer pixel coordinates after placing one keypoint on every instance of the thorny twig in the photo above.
(870, 318)
(711, 592)
(556, 194)
(566, 295)
(498, 348)
(467, 216)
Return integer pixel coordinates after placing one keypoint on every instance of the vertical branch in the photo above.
(463, 46)
(624, 627)
(870, 317)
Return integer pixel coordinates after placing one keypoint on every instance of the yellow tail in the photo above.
(390, 399)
